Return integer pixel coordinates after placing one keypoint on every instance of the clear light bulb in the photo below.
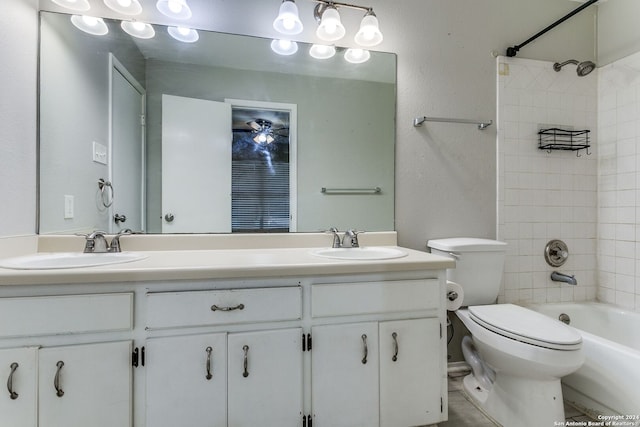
(139, 25)
(124, 3)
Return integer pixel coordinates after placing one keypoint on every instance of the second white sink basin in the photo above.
(366, 253)
(59, 260)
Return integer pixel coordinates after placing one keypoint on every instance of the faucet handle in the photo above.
(96, 242)
(337, 243)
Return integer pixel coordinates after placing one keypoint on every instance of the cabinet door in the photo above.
(265, 378)
(410, 382)
(344, 384)
(18, 371)
(187, 381)
(85, 385)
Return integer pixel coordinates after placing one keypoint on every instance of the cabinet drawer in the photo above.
(68, 314)
(199, 308)
(344, 299)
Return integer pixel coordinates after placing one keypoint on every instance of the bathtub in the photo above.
(609, 381)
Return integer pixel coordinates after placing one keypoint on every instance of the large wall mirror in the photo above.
(220, 135)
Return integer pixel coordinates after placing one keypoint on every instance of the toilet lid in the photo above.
(526, 325)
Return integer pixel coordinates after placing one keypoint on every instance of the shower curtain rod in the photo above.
(513, 50)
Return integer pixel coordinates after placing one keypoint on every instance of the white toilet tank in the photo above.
(479, 266)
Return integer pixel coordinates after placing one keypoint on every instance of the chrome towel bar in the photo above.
(375, 190)
(482, 125)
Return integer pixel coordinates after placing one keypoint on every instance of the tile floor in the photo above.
(462, 413)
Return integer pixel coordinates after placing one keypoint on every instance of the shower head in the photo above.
(583, 68)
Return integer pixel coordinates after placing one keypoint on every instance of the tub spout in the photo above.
(560, 277)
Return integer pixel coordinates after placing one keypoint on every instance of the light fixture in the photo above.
(288, 22)
(262, 130)
(321, 51)
(369, 33)
(284, 47)
(77, 5)
(178, 9)
(90, 24)
(357, 56)
(126, 7)
(184, 34)
(330, 28)
(138, 29)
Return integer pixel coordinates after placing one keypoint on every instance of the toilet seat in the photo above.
(526, 326)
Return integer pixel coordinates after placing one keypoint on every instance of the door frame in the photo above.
(116, 66)
(292, 109)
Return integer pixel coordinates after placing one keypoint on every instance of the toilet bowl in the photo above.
(518, 356)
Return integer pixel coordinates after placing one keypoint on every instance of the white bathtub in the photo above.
(609, 381)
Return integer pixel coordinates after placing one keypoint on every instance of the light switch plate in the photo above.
(68, 206)
(99, 153)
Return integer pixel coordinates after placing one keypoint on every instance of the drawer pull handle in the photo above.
(246, 361)
(395, 347)
(56, 380)
(209, 375)
(237, 307)
(12, 394)
(366, 349)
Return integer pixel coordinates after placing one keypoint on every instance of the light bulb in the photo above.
(174, 6)
(284, 47)
(138, 29)
(90, 24)
(357, 56)
(177, 9)
(288, 22)
(77, 5)
(262, 138)
(330, 28)
(184, 34)
(125, 7)
(369, 33)
(124, 3)
(320, 51)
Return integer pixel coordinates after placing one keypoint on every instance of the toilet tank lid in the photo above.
(467, 244)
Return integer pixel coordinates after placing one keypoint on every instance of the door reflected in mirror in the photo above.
(289, 126)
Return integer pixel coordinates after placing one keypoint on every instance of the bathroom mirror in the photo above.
(104, 123)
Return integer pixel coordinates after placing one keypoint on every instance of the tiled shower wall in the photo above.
(619, 183)
(545, 195)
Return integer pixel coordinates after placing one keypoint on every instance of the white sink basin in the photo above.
(366, 253)
(59, 260)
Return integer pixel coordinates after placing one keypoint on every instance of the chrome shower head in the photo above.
(583, 69)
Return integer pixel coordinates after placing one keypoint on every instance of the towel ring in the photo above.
(105, 197)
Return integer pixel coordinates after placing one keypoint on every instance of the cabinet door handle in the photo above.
(56, 379)
(366, 349)
(209, 375)
(246, 361)
(395, 346)
(12, 394)
(237, 307)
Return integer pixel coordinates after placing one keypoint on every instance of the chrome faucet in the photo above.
(96, 243)
(350, 239)
(560, 277)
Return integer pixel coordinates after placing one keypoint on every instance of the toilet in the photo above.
(517, 356)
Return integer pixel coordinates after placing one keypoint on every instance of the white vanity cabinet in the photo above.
(386, 373)
(18, 403)
(238, 376)
(65, 382)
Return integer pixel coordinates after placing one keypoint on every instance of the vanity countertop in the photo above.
(225, 263)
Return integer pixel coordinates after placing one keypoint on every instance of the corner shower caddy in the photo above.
(564, 139)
